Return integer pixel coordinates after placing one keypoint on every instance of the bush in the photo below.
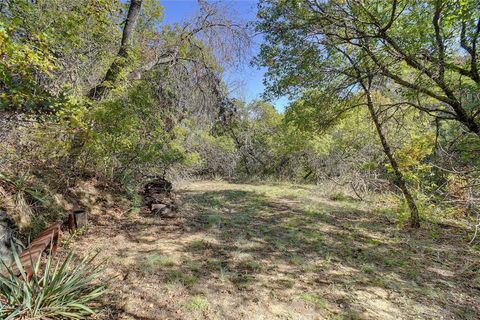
(65, 289)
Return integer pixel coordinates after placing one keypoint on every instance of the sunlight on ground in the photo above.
(283, 252)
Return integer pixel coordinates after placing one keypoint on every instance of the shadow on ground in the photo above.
(256, 252)
(255, 241)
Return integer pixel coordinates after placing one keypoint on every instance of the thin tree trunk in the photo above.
(121, 59)
(414, 215)
(102, 88)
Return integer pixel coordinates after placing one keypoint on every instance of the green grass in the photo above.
(213, 220)
(259, 231)
(197, 303)
(297, 260)
(315, 300)
(368, 269)
(200, 244)
(181, 277)
(153, 262)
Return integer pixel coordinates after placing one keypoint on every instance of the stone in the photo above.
(7, 239)
(158, 206)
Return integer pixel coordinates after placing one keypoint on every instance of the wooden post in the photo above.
(81, 218)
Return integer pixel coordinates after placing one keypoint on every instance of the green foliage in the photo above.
(22, 59)
(128, 136)
(153, 262)
(197, 303)
(65, 289)
(42, 45)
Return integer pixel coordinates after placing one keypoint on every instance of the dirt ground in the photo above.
(243, 251)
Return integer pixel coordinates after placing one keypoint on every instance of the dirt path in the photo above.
(276, 252)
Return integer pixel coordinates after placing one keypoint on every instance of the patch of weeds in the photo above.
(339, 196)
(412, 273)
(285, 283)
(368, 269)
(293, 223)
(241, 219)
(427, 292)
(153, 262)
(403, 213)
(213, 220)
(136, 202)
(476, 282)
(194, 266)
(313, 213)
(224, 274)
(66, 243)
(177, 276)
(297, 260)
(197, 303)
(214, 264)
(313, 236)
(291, 196)
(350, 315)
(314, 299)
(242, 281)
(278, 244)
(381, 283)
(435, 233)
(392, 262)
(310, 268)
(353, 253)
(373, 242)
(211, 201)
(265, 229)
(330, 257)
(250, 266)
(200, 244)
(173, 287)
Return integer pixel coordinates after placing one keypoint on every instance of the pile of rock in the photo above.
(159, 198)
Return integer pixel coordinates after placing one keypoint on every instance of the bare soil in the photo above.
(240, 251)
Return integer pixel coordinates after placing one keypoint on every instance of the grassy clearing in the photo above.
(152, 262)
(283, 251)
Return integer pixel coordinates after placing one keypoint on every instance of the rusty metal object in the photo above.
(43, 241)
(71, 223)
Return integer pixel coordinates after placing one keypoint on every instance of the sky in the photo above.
(247, 78)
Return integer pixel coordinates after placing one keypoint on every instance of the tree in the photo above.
(122, 57)
(52, 49)
(414, 43)
(302, 55)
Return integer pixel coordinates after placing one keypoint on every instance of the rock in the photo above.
(7, 238)
(167, 213)
(159, 198)
(159, 185)
(158, 206)
(145, 210)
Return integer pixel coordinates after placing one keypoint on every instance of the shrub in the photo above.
(66, 289)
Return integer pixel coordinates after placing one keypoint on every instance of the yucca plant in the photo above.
(64, 290)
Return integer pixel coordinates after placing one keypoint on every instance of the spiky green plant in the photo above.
(65, 289)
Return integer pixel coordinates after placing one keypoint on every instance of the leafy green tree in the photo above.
(303, 53)
(413, 43)
(52, 49)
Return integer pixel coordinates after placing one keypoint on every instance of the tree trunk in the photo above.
(414, 215)
(111, 76)
(121, 60)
